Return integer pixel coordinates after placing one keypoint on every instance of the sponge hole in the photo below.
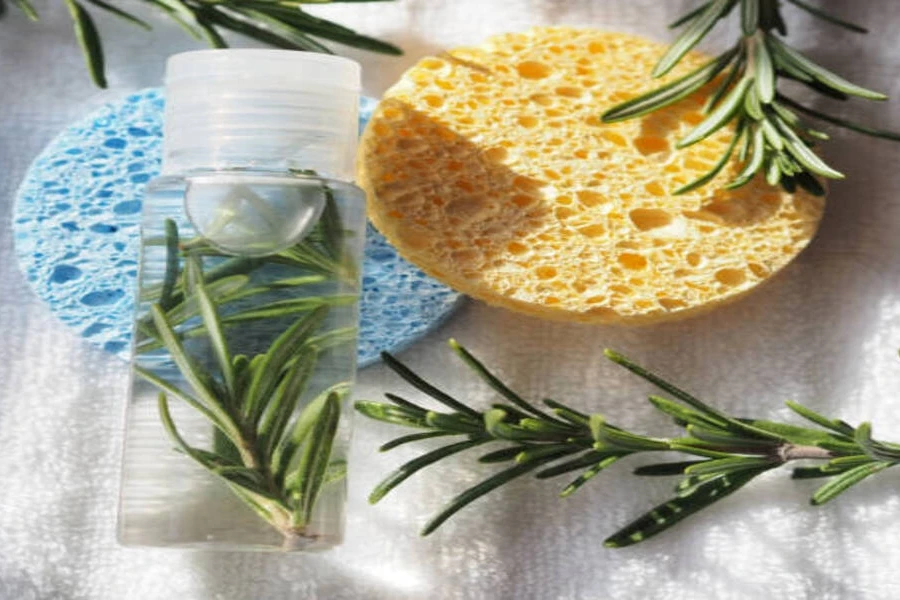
(634, 262)
(651, 145)
(646, 219)
(545, 272)
(531, 69)
(731, 277)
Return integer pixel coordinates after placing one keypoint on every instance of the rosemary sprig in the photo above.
(283, 24)
(273, 457)
(728, 452)
(769, 136)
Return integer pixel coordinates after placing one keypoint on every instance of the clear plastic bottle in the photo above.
(245, 330)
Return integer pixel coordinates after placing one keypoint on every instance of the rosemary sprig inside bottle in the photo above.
(272, 456)
(770, 137)
(726, 452)
(279, 24)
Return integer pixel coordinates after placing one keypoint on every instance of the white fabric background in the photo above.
(824, 332)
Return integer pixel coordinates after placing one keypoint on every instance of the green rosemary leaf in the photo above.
(718, 436)
(666, 386)
(881, 133)
(728, 465)
(216, 338)
(402, 402)
(415, 465)
(314, 458)
(336, 471)
(543, 426)
(171, 274)
(543, 451)
(689, 16)
(214, 417)
(27, 8)
(332, 226)
(328, 30)
(873, 449)
(755, 161)
(220, 291)
(691, 36)
(290, 36)
(495, 384)
(727, 82)
(683, 415)
(415, 437)
(283, 349)
(501, 455)
(213, 37)
(677, 509)
(192, 274)
(127, 16)
(667, 468)
(711, 174)
(284, 308)
(773, 172)
(814, 472)
(476, 492)
(89, 40)
(832, 467)
(181, 14)
(669, 93)
(844, 481)
(821, 74)
(588, 459)
(624, 440)
(222, 17)
(697, 447)
(496, 425)
(514, 415)
(281, 405)
(719, 116)
(587, 476)
(243, 476)
(453, 422)
(805, 437)
(567, 413)
(391, 414)
(816, 12)
(849, 461)
(749, 16)
(423, 386)
(196, 377)
(752, 105)
(333, 339)
(162, 404)
(806, 157)
(770, 132)
(764, 76)
(297, 433)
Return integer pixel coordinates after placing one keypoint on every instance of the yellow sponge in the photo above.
(490, 169)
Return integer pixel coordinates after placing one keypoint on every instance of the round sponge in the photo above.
(490, 169)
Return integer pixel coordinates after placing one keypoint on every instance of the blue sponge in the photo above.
(76, 227)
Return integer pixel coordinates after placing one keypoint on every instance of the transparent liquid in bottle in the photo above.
(271, 250)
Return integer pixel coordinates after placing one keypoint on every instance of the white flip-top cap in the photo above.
(266, 109)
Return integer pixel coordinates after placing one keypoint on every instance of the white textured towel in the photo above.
(824, 332)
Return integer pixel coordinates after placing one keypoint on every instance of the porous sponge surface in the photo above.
(489, 168)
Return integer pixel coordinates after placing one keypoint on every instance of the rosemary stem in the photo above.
(794, 452)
